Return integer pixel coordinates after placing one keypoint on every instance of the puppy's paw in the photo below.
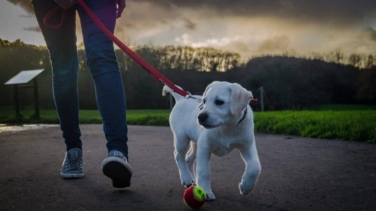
(189, 185)
(210, 196)
(244, 188)
(187, 181)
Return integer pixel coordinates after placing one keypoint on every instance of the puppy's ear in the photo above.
(240, 98)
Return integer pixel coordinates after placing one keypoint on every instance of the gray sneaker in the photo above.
(117, 168)
(72, 164)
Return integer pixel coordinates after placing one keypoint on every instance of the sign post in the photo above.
(23, 78)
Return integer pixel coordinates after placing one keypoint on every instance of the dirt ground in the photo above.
(297, 174)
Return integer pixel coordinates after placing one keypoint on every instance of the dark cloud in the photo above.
(323, 11)
(25, 16)
(318, 24)
(25, 4)
(189, 24)
(33, 28)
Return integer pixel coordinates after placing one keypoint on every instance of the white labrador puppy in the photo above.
(221, 122)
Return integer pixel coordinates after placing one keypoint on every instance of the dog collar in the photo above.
(244, 115)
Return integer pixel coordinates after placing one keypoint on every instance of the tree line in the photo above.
(290, 81)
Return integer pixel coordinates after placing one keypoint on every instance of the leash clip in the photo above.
(189, 95)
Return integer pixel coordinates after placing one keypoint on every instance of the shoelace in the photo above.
(67, 163)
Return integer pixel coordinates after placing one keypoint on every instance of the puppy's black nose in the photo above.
(202, 117)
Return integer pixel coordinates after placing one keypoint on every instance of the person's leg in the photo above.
(101, 60)
(109, 89)
(61, 43)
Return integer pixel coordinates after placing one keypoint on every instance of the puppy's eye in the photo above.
(219, 102)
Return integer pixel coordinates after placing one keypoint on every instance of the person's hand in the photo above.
(65, 4)
(120, 7)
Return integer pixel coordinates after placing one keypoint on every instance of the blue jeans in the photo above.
(103, 66)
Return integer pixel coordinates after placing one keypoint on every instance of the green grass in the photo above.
(346, 125)
(350, 124)
(148, 117)
(346, 107)
(135, 117)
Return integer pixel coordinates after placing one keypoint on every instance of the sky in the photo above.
(248, 27)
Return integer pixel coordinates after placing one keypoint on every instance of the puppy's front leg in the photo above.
(191, 159)
(181, 148)
(203, 169)
(252, 169)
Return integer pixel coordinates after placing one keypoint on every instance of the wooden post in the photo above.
(262, 98)
(16, 101)
(36, 98)
(170, 101)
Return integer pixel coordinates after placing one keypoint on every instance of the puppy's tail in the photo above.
(167, 89)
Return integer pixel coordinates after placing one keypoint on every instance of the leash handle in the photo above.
(50, 13)
(152, 71)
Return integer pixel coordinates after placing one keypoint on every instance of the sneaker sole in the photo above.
(72, 175)
(118, 171)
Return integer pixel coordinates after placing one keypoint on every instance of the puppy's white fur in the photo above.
(223, 121)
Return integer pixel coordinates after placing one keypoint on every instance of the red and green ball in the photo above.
(194, 197)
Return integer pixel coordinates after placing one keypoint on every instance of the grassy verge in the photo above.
(346, 107)
(355, 125)
(134, 117)
(347, 125)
